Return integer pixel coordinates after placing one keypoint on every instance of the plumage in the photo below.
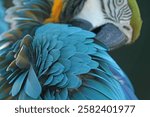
(32, 85)
(4, 24)
(57, 61)
(18, 83)
(99, 77)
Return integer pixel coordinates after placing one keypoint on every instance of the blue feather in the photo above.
(62, 62)
(73, 81)
(68, 52)
(56, 69)
(100, 87)
(78, 96)
(49, 95)
(92, 94)
(32, 85)
(64, 82)
(49, 80)
(24, 96)
(4, 25)
(18, 84)
(57, 79)
(64, 94)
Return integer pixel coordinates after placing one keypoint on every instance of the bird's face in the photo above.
(89, 14)
(126, 28)
(118, 13)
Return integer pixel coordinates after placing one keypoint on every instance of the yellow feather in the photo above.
(56, 11)
(136, 21)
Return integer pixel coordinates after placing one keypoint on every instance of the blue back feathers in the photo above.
(61, 62)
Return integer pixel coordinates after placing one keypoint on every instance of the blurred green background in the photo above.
(135, 59)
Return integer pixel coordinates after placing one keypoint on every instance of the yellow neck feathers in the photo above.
(56, 12)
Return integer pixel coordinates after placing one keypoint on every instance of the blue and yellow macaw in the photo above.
(57, 50)
(122, 17)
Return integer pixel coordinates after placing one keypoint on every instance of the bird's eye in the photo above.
(127, 28)
(119, 2)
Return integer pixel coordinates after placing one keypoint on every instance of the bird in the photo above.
(45, 51)
(122, 16)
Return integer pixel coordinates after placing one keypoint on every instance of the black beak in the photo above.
(111, 36)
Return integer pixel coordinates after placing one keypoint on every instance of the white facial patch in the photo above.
(92, 12)
(100, 12)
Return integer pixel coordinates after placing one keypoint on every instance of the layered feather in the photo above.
(61, 62)
(55, 61)
(4, 25)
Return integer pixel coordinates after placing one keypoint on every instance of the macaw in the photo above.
(50, 40)
(123, 18)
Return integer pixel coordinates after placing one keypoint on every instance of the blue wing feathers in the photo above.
(62, 62)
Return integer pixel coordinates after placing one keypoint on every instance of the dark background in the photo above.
(135, 59)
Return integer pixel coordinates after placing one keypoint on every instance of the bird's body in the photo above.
(43, 57)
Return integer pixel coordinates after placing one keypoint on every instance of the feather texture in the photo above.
(55, 61)
(4, 25)
(62, 62)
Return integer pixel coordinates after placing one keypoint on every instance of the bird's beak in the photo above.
(111, 36)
